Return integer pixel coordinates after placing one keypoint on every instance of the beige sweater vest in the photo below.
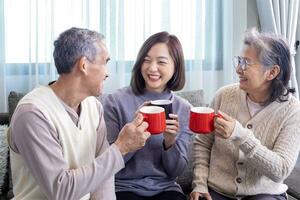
(77, 145)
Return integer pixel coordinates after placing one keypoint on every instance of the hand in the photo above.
(198, 195)
(224, 126)
(171, 131)
(133, 136)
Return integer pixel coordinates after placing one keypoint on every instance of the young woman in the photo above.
(150, 172)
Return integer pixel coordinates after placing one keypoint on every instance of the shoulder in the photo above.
(121, 93)
(228, 89)
(292, 106)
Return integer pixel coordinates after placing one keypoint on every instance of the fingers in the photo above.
(138, 119)
(206, 196)
(194, 196)
(142, 127)
(224, 116)
(173, 116)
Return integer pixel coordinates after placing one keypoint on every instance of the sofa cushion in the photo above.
(13, 99)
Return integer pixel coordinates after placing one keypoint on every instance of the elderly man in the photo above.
(57, 136)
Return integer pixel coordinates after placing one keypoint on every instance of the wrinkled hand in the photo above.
(172, 130)
(133, 135)
(197, 195)
(224, 126)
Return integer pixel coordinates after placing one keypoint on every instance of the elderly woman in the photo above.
(255, 145)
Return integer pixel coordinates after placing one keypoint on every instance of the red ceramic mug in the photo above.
(155, 117)
(202, 120)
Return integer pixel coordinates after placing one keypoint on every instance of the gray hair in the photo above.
(273, 50)
(73, 44)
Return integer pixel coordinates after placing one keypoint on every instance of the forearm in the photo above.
(202, 150)
(174, 160)
(275, 163)
(73, 184)
(105, 191)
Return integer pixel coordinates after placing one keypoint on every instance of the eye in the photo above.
(162, 62)
(146, 60)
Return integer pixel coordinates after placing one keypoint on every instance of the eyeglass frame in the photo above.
(242, 62)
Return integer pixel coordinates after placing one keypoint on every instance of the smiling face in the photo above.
(157, 68)
(255, 78)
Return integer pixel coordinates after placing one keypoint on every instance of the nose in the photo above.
(239, 69)
(153, 66)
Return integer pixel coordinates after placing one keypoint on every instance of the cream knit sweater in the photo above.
(261, 155)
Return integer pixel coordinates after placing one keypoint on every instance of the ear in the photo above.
(82, 64)
(273, 72)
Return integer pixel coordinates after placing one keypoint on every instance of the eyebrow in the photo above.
(159, 57)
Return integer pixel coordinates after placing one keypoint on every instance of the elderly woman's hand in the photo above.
(171, 131)
(224, 126)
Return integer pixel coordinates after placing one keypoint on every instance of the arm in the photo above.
(40, 148)
(202, 150)
(278, 162)
(174, 159)
(107, 189)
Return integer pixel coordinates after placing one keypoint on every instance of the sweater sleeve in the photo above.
(278, 162)
(39, 145)
(107, 189)
(202, 152)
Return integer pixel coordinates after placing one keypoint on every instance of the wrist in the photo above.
(121, 147)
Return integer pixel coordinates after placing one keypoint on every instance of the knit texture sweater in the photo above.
(260, 155)
(152, 169)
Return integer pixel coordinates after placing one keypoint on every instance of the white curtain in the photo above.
(280, 17)
(205, 29)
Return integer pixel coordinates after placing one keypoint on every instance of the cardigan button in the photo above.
(238, 180)
(249, 126)
(240, 163)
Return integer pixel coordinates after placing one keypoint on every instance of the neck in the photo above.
(259, 97)
(67, 91)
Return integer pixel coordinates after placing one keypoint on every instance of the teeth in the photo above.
(154, 77)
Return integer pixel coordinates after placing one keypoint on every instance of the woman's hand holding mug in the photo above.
(224, 126)
(200, 196)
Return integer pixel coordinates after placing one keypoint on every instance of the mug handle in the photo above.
(218, 115)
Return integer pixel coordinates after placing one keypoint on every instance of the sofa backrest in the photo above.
(13, 99)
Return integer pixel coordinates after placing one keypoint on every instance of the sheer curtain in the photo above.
(281, 17)
(205, 29)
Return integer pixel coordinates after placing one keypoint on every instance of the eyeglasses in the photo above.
(241, 62)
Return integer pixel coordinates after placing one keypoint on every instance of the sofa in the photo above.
(196, 98)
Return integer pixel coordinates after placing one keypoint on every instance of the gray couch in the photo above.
(185, 180)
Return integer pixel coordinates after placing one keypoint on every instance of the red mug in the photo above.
(202, 120)
(155, 117)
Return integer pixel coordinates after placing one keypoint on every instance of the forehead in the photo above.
(159, 49)
(102, 51)
(249, 52)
